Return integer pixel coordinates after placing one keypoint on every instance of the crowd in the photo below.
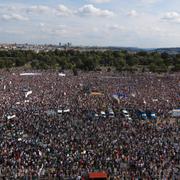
(37, 141)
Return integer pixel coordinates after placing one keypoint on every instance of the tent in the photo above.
(96, 94)
(11, 117)
(60, 111)
(66, 110)
(30, 74)
(62, 74)
(103, 114)
(153, 115)
(97, 175)
(110, 112)
(175, 113)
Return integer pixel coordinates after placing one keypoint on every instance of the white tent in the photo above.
(103, 114)
(30, 74)
(60, 111)
(62, 74)
(66, 110)
(175, 113)
(11, 117)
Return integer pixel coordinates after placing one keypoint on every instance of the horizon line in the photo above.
(97, 46)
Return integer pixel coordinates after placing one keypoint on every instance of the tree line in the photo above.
(91, 61)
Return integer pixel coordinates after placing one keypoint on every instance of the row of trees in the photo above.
(90, 61)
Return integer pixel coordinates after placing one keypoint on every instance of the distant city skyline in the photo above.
(130, 23)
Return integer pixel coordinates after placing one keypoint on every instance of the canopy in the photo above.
(30, 74)
(62, 74)
(175, 113)
(97, 175)
(120, 95)
(60, 111)
(96, 94)
(66, 110)
(11, 117)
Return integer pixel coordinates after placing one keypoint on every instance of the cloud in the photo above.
(100, 1)
(9, 17)
(60, 30)
(172, 16)
(11, 31)
(38, 9)
(14, 32)
(150, 1)
(11, 8)
(59, 10)
(132, 13)
(115, 27)
(63, 10)
(91, 10)
(41, 24)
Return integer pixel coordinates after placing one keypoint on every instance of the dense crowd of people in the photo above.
(39, 139)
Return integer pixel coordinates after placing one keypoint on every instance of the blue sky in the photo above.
(137, 23)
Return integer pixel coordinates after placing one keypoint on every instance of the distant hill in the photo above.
(168, 50)
(129, 49)
(175, 50)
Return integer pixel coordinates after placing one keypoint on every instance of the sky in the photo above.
(125, 23)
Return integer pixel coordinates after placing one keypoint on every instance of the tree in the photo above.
(152, 67)
(131, 60)
(176, 68)
(89, 64)
(35, 64)
(75, 72)
(20, 61)
(120, 64)
(2, 63)
(91, 61)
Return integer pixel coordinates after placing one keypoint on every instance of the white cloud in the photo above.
(14, 32)
(91, 10)
(63, 10)
(38, 9)
(172, 16)
(150, 1)
(60, 30)
(41, 24)
(18, 17)
(115, 27)
(95, 29)
(100, 1)
(11, 31)
(52, 30)
(11, 8)
(132, 13)
(60, 10)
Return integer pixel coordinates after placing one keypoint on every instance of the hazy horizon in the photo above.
(118, 23)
